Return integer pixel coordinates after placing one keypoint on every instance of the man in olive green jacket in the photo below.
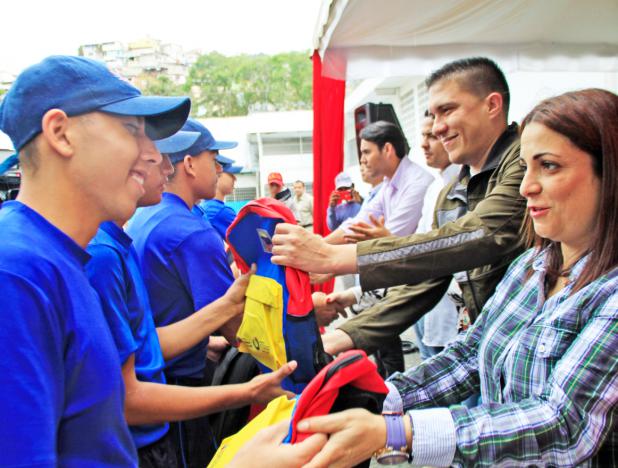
(477, 217)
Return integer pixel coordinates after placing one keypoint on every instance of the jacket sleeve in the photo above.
(396, 312)
(480, 237)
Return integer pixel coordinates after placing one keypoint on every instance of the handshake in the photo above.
(330, 307)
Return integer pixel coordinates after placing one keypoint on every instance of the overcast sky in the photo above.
(33, 29)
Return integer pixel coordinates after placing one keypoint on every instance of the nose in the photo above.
(529, 184)
(425, 144)
(167, 167)
(439, 126)
(148, 151)
(219, 168)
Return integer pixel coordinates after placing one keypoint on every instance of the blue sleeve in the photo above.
(107, 276)
(331, 218)
(201, 263)
(31, 374)
(223, 219)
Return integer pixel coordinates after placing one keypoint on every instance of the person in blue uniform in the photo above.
(215, 210)
(114, 273)
(184, 267)
(83, 137)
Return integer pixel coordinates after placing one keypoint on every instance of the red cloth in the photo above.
(300, 303)
(319, 396)
(328, 98)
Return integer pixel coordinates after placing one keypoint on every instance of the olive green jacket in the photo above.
(477, 223)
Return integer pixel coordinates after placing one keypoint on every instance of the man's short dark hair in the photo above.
(478, 75)
(382, 132)
(300, 182)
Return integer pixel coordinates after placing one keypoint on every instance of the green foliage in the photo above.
(159, 85)
(223, 86)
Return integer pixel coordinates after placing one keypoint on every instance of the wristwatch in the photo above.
(396, 450)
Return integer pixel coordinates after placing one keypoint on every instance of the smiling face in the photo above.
(461, 122)
(561, 189)
(156, 181)
(114, 160)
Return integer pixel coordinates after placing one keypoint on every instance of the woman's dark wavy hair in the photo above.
(589, 119)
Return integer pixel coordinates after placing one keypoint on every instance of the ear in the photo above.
(495, 105)
(55, 130)
(189, 166)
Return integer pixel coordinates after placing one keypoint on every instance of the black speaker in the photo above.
(370, 112)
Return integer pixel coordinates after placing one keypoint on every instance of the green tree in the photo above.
(159, 85)
(227, 86)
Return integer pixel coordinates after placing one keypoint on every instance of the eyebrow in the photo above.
(442, 105)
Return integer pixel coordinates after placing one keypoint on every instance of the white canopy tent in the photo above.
(366, 38)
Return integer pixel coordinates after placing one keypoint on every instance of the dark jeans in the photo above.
(160, 454)
(389, 357)
(193, 439)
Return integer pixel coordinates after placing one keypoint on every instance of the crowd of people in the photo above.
(117, 288)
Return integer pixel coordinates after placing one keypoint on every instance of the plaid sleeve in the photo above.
(569, 415)
(445, 379)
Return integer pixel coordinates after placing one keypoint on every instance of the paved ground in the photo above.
(411, 360)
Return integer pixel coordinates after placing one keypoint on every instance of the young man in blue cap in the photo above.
(215, 210)
(114, 272)
(185, 268)
(84, 141)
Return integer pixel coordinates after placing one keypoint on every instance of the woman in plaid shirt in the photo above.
(544, 352)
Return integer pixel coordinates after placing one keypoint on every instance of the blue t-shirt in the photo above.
(218, 214)
(114, 273)
(184, 267)
(61, 390)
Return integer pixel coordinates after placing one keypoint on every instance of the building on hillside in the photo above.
(142, 59)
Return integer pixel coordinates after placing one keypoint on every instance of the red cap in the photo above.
(275, 178)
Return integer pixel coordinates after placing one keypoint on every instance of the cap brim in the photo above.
(164, 115)
(224, 161)
(180, 141)
(232, 169)
(222, 145)
(8, 163)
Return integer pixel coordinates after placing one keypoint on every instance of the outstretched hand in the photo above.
(234, 299)
(265, 387)
(362, 231)
(267, 450)
(296, 247)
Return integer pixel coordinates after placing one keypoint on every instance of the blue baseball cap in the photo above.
(177, 142)
(231, 169)
(223, 160)
(8, 163)
(78, 85)
(206, 142)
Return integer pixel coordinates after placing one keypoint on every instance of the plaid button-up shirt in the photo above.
(547, 371)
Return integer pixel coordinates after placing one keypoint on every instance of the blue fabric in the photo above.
(177, 142)
(114, 273)
(61, 391)
(338, 214)
(205, 142)
(300, 333)
(184, 267)
(218, 214)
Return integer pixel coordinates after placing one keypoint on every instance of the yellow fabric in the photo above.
(277, 410)
(261, 331)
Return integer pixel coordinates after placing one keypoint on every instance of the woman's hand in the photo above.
(354, 435)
